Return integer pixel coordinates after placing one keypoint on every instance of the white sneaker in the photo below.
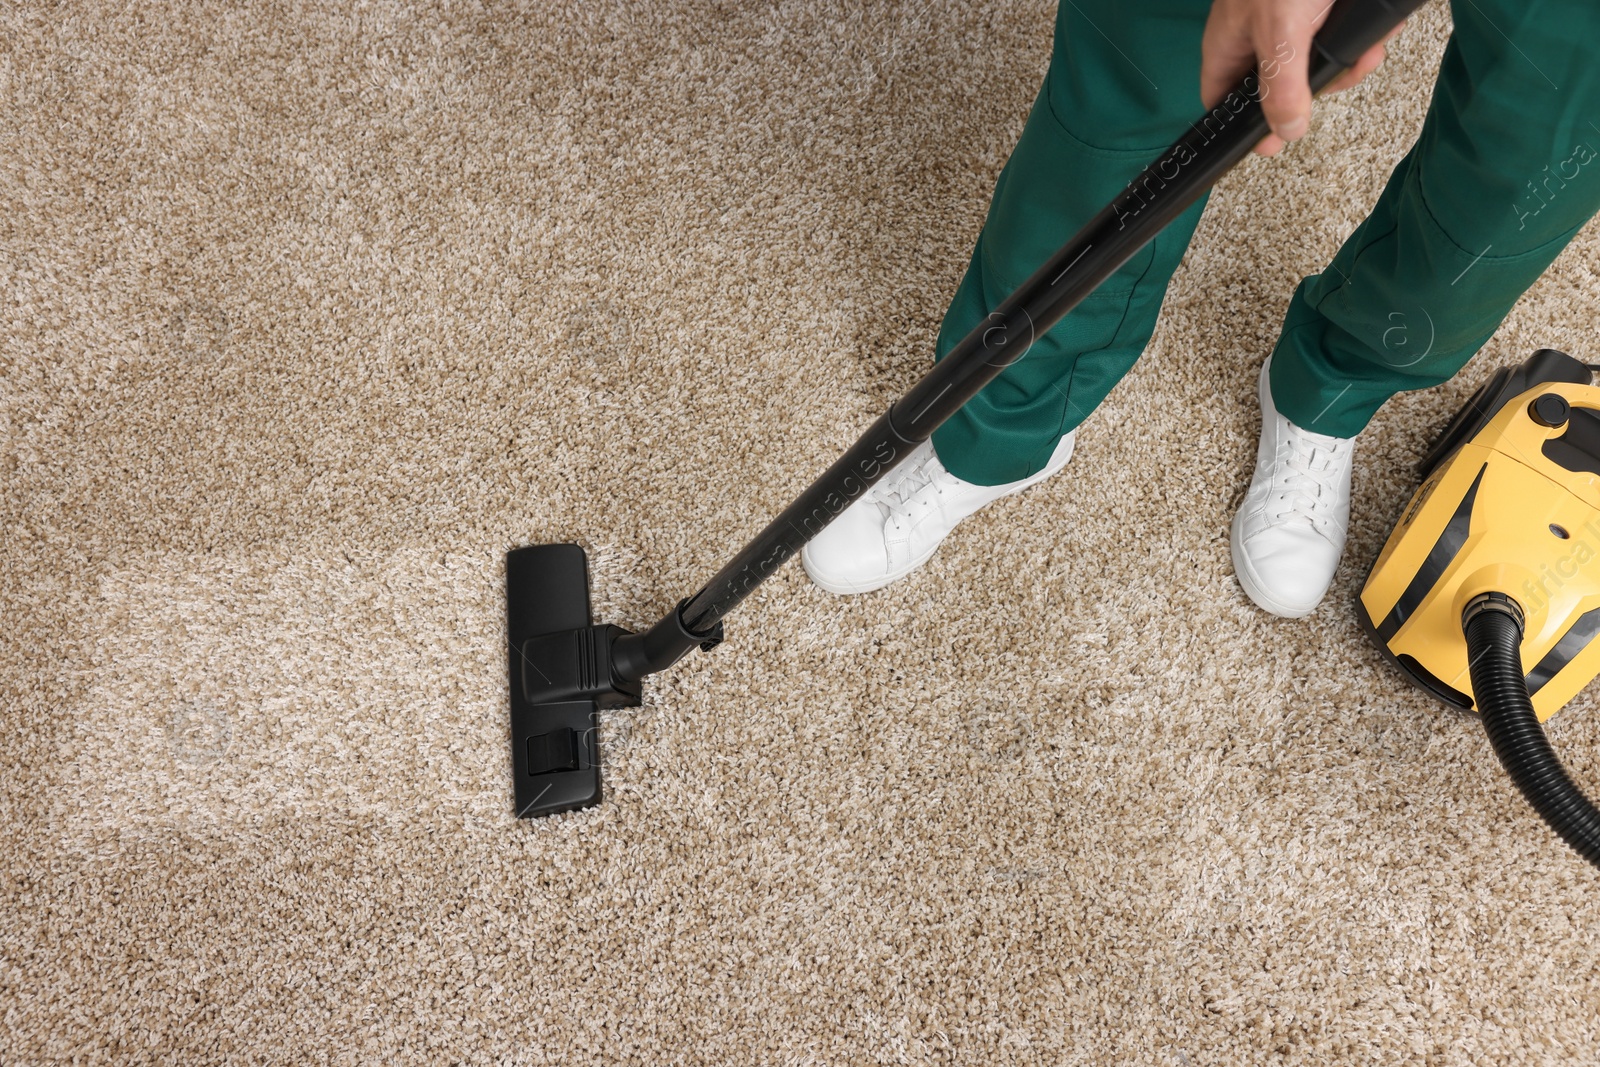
(1289, 533)
(897, 524)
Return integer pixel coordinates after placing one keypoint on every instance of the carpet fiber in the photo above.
(312, 312)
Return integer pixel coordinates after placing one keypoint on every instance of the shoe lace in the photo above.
(1305, 488)
(905, 492)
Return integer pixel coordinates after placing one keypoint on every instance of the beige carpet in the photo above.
(311, 313)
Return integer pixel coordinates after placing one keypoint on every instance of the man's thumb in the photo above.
(1285, 89)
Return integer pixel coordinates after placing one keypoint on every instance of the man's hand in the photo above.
(1276, 36)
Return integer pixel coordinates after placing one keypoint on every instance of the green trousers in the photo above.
(1504, 173)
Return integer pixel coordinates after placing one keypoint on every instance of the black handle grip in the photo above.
(1353, 26)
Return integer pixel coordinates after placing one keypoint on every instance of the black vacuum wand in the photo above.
(564, 670)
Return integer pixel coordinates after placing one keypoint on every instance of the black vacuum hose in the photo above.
(1493, 628)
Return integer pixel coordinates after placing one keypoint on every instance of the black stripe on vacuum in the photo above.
(1575, 640)
(1444, 550)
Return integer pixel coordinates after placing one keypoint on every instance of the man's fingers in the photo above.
(1225, 57)
(1270, 145)
(1275, 36)
(1283, 57)
(1369, 62)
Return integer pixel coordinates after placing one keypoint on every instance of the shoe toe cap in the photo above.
(849, 555)
(1287, 571)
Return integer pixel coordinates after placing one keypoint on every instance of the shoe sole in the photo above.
(1252, 585)
(851, 588)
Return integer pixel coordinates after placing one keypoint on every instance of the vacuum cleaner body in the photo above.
(1509, 505)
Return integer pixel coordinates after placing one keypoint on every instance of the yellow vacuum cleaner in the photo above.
(1487, 594)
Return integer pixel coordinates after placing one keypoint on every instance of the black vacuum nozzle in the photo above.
(565, 670)
(560, 679)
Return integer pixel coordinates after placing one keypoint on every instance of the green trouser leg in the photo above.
(1505, 172)
(1123, 82)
